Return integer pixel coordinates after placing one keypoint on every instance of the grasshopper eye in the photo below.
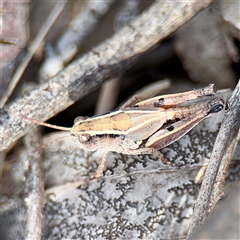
(79, 119)
(84, 137)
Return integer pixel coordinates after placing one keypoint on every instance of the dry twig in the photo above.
(108, 59)
(213, 182)
(69, 43)
(34, 187)
(32, 49)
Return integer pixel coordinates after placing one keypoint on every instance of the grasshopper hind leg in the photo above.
(99, 171)
(151, 151)
(131, 102)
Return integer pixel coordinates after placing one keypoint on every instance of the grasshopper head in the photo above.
(78, 132)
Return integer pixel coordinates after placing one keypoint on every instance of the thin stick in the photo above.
(34, 188)
(108, 96)
(31, 50)
(222, 153)
(45, 124)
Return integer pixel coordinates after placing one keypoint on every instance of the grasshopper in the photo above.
(144, 127)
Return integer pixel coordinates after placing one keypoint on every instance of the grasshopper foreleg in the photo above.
(99, 171)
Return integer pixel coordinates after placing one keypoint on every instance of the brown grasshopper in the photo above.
(146, 126)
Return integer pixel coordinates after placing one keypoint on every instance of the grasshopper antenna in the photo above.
(48, 144)
(45, 124)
